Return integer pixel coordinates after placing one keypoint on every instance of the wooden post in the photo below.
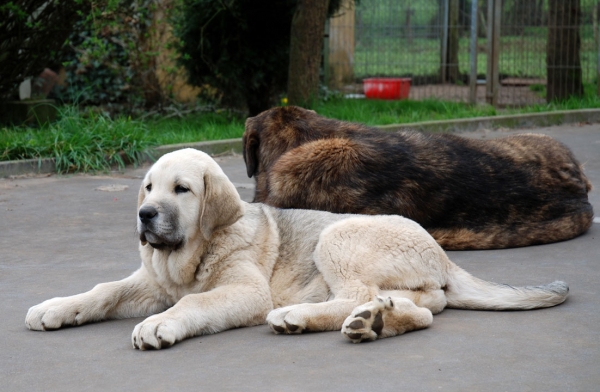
(340, 57)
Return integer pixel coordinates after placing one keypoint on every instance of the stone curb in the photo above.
(47, 165)
(15, 168)
(528, 120)
(217, 147)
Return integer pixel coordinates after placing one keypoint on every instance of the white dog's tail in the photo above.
(464, 291)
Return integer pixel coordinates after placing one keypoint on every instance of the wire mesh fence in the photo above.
(507, 53)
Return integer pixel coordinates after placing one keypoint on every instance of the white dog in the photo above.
(211, 262)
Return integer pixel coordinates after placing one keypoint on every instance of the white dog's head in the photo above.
(185, 194)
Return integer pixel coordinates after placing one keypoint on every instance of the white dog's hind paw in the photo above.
(366, 321)
(154, 333)
(53, 314)
(383, 318)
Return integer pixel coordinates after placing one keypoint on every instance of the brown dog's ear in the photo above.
(221, 205)
(250, 149)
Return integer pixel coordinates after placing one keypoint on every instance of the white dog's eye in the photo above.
(181, 189)
(149, 187)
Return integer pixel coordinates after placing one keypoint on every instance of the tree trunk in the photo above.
(306, 44)
(564, 44)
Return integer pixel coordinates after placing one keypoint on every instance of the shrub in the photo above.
(239, 47)
(32, 33)
(111, 59)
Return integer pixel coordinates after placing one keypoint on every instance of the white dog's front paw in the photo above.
(284, 320)
(156, 332)
(53, 314)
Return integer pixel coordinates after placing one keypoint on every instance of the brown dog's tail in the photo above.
(464, 291)
(498, 236)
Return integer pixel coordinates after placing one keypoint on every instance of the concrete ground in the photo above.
(60, 236)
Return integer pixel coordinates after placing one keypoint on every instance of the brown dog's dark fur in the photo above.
(469, 194)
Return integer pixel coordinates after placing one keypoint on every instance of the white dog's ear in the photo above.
(141, 197)
(221, 206)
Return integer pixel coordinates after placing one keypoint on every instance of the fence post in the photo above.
(493, 51)
(473, 73)
(326, 71)
(449, 63)
(597, 38)
(340, 62)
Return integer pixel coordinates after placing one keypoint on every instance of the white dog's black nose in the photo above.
(147, 213)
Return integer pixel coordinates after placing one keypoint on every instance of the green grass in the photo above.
(79, 142)
(590, 100)
(88, 142)
(383, 47)
(379, 112)
(519, 57)
(195, 128)
(83, 142)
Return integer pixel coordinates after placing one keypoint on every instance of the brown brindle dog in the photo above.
(469, 194)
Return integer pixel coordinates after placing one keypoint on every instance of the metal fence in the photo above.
(494, 51)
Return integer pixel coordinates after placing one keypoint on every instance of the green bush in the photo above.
(111, 59)
(239, 47)
(32, 34)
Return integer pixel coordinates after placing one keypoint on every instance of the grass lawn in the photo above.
(79, 142)
(385, 45)
(520, 57)
(195, 128)
(84, 141)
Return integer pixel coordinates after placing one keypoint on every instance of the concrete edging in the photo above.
(216, 147)
(47, 165)
(528, 120)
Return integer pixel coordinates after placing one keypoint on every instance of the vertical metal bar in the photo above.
(444, 62)
(473, 75)
(596, 12)
(326, 70)
(598, 55)
(489, 74)
(493, 49)
(496, 56)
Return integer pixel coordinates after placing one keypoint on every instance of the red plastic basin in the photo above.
(387, 88)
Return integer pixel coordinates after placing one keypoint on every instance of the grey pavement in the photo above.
(60, 236)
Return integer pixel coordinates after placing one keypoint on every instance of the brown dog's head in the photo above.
(273, 132)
